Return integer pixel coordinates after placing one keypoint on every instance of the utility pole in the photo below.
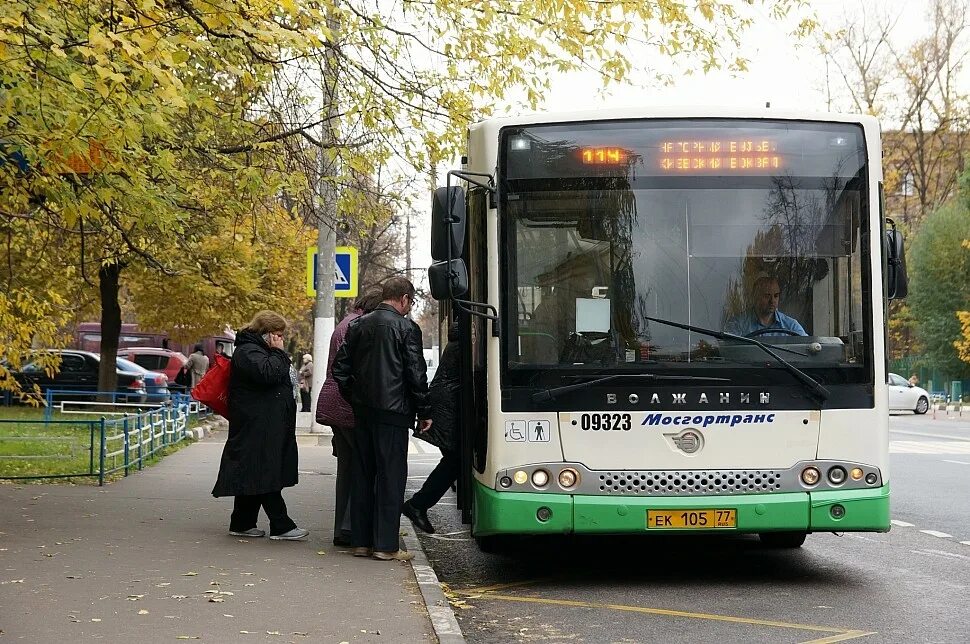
(407, 249)
(323, 319)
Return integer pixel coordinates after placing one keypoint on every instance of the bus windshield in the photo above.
(746, 227)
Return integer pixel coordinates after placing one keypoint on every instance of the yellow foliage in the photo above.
(204, 117)
(963, 345)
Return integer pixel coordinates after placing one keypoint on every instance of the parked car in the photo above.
(156, 383)
(160, 360)
(79, 372)
(904, 396)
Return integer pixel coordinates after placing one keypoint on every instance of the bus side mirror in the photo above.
(897, 283)
(448, 279)
(447, 223)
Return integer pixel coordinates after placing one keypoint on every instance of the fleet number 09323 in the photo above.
(606, 422)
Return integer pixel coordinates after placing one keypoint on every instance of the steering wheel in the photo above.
(758, 332)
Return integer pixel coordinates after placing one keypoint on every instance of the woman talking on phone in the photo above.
(260, 457)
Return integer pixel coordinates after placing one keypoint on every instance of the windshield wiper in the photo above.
(549, 394)
(813, 385)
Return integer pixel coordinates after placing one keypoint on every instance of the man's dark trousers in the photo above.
(380, 475)
(343, 449)
(442, 476)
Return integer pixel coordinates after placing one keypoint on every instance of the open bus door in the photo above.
(455, 246)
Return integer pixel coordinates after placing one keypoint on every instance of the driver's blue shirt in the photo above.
(750, 324)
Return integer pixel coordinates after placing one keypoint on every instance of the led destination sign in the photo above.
(696, 156)
(719, 155)
(638, 149)
(603, 156)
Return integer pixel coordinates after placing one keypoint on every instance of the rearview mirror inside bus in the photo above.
(441, 275)
(447, 223)
(897, 284)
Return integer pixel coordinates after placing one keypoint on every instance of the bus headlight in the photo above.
(568, 478)
(856, 473)
(540, 478)
(836, 475)
(810, 475)
(520, 477)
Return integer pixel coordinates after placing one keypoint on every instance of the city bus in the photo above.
(670, 322)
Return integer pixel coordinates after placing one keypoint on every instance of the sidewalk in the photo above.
(148, 559)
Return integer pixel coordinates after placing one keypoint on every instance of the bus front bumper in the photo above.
(521, 513)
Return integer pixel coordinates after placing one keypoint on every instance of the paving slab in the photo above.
(148, 559)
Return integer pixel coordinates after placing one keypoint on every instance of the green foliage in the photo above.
(939, 286)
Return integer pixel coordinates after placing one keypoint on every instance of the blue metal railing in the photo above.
(125, 442)
(113, 398)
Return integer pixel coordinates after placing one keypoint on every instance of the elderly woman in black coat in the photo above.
(260, 457)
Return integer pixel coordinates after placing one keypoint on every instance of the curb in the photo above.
(442, 616)
(205, 429)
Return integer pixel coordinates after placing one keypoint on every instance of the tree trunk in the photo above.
(108, 283)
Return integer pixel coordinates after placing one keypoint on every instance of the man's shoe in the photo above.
(418, 517)
(397, 555)
(252, 532)
(296, 534)
(363, 552)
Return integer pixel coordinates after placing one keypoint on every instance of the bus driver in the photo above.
(764, 314)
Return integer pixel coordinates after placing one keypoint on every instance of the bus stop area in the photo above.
(148, 558)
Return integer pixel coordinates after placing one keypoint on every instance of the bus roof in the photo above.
(622, 113)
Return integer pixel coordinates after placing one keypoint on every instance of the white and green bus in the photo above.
(670, 321)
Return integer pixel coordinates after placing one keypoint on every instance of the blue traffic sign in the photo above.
(345, 271)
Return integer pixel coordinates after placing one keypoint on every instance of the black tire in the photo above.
(783, 539)
(922, 405)
(492, 544)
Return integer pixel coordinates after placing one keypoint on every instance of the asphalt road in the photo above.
(910, 585)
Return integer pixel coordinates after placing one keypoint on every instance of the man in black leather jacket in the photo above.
(380, 369)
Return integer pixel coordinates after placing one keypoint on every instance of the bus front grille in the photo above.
(689, 482)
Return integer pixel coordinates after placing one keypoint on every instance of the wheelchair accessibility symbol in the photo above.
(515, 431)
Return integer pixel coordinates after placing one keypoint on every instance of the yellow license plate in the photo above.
(691, 519)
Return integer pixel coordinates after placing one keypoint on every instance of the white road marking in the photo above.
(929, 447)
(950, 436)
(966, 543)
(941, 553)
(937, 533)
(901, 524)
(946, 460)
(418, 446)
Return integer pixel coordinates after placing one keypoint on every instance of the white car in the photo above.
(904, 396)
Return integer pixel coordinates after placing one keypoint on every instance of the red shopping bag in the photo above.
(213, 389)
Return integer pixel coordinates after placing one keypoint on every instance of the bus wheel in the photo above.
(492, 544)
(782, 539)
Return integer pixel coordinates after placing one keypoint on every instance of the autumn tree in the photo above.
(914, 87)
(145, 130)
(940, 284)
(962, 344)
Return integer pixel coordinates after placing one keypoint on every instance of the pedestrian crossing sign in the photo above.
(345, 271)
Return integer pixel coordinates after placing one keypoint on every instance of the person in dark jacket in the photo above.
(380, 369)
(335, 411)
(445, 391)
(260, 457)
